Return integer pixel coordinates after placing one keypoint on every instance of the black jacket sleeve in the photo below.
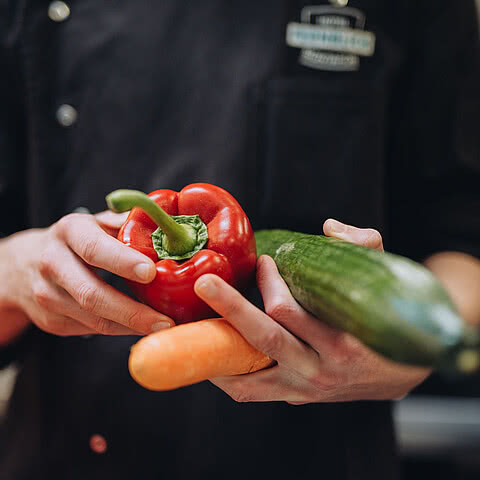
(12, 148)
(434, 174)
(12, 123)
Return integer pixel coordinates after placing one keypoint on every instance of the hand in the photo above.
(315, 363)
(50, 277)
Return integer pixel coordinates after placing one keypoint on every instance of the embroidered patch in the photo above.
(331, 38)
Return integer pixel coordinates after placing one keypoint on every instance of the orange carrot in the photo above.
(191, 353)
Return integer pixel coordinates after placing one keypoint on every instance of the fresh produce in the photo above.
(201, 229)
(394, 305)
(191, 353)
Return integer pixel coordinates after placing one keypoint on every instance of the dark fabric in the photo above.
(12, 131)
(174, 92)
(435, 147)
(19, 348)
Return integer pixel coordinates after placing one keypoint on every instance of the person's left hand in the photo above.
(315, 363)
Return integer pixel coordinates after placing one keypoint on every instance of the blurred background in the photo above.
(438, 430)
(437, 425)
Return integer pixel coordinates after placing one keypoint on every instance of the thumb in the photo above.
(110, 221)
(366, 237)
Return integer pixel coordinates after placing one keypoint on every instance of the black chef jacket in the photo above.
(168, 93)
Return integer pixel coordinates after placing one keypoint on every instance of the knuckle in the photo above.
(117, 262)
(65, 223)
(243, 398)
(42, 296)
(45, 266)
(89, 250)
(353, 347)
(340, 353)
(347, 349)
(324, 382)
(271, 343)
(121, 262)
(231, 310)
(133, 320)
(241, 395)
(88, 297)
(281, 310)
(103, 326)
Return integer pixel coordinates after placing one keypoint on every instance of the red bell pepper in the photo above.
(180, 246)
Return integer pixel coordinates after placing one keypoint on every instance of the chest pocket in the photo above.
(320, 151)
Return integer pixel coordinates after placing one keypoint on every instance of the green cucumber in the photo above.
(392, 304)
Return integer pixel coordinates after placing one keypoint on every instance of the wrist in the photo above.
(5, 274)
(460, 275)
(13, 320)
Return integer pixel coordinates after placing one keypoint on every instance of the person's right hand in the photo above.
(50, 276)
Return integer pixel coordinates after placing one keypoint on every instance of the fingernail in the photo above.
(156, 327)
(143, 271)
(206, 287)
(336, 227)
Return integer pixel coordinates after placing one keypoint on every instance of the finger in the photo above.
(65, 326)
(58, 302)
(282, 307)
(102, 300)
(366, 237)
(271, 385)
(111, 222)
(85, 237)
(256, 327)
(62, 325)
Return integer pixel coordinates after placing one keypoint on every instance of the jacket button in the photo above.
(58, 11)
(98, 444)
(66, 115)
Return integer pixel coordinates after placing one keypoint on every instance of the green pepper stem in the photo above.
(181, 239)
